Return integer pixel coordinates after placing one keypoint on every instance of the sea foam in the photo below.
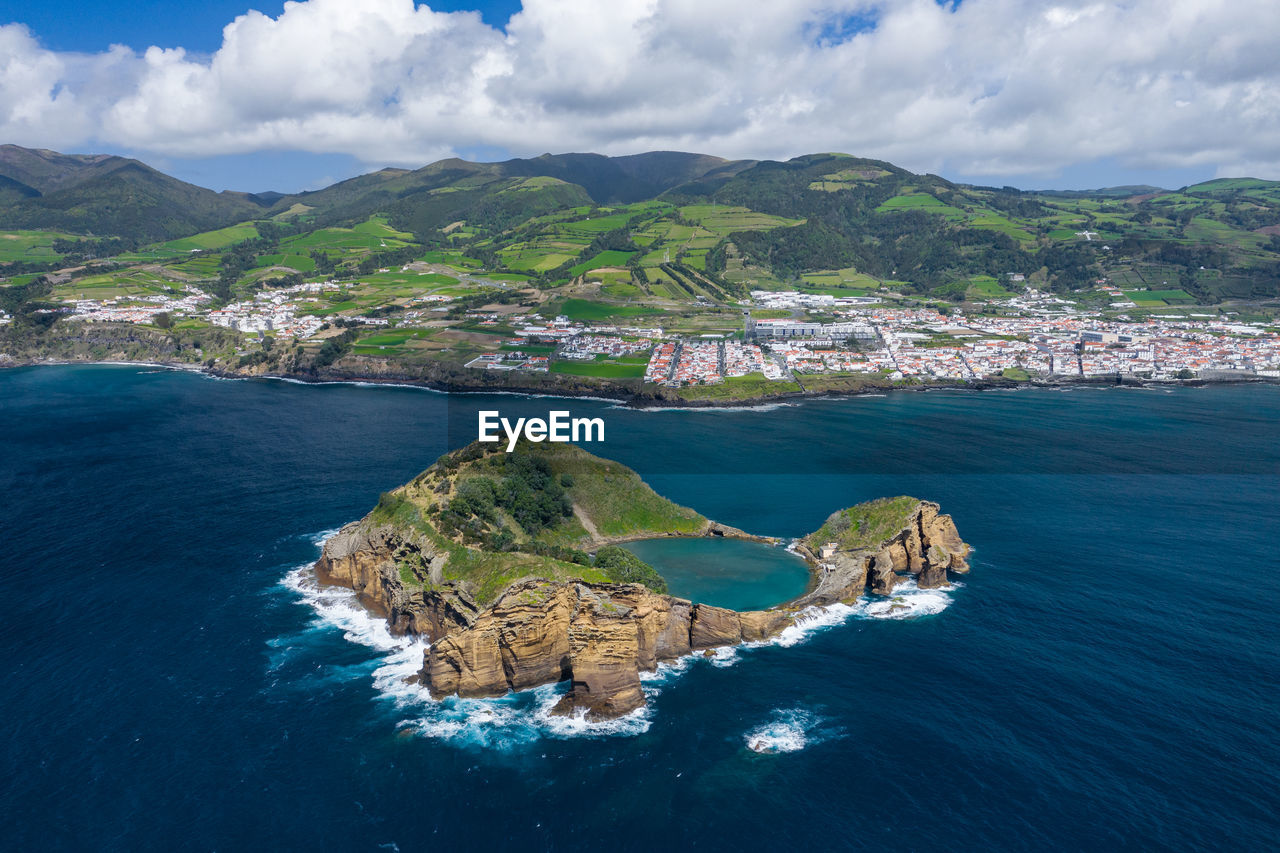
(788, 730)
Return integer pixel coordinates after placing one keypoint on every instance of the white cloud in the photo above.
(989, 87)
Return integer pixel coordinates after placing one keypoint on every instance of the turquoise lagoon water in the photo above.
(733, 573)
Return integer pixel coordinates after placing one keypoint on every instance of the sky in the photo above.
(287, 96)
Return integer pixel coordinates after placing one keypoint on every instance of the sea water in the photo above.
(1104, 678)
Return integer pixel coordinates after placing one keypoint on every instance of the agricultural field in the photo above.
(340, 239)
(409, 281)
(591, 312)
(200, 268)
(298, 263)
(535, 260)
(377, 226)
(1208, 230)
(995, 222)
(1144, 276)
(622, 290)
(984, 288)
(846, 179)
(920, 201)
(218, 239)
(604, 369)
(604, 259)
(598, 224)
(843, 282)
(739, 388)
(118, 284)
(390, 341)
(452, 258)
(1155, 298)
(722, 220)
(30, 245)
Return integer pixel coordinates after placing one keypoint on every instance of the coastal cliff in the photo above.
(511, 599)
(599, 637)
(874, 546)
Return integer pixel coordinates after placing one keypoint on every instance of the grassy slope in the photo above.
(865, 525)
(610, 494)
(487, 573)
(615, 498)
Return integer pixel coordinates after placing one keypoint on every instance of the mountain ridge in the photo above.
(869, 218)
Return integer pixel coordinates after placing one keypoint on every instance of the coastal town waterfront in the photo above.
(1030, 336)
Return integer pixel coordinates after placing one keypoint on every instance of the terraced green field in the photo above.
(995, 222)
(452, 258)
(206, 267)
(844, 282)
(536, 261)
(394, 337)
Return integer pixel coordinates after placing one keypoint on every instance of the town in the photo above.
(1030, 335)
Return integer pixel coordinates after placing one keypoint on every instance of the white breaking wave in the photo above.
(907, 602)
(789, 730)
(338, 607)
(808, 621)
(724, 656)
(318, 539)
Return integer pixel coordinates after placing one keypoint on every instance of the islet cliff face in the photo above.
(600, 636)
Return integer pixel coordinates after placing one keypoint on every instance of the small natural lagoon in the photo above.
(733, 573)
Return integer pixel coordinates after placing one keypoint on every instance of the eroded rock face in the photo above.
(598, 636)
(927, 547)
(367, 559)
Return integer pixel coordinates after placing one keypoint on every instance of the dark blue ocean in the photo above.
(1108, 677)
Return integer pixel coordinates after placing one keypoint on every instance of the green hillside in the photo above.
(501, 516)
(114, 197)
(657, 233)
(865, 525)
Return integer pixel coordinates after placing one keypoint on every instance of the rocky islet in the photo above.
(599, 635)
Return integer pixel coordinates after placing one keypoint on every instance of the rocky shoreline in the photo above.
(628, 396)
(600, 636)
